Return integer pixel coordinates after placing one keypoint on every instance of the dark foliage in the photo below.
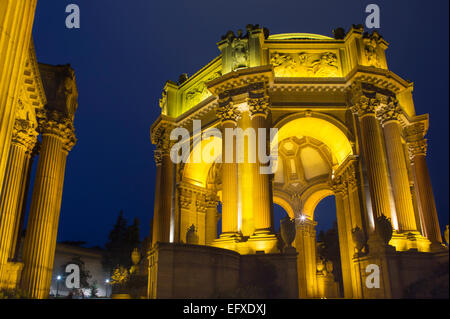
(121, 242)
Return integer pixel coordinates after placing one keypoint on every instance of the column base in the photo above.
(228, 241)
(11, 273)
(410, 240)
(263, 241)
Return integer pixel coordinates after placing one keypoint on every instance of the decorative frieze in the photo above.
(305, 64)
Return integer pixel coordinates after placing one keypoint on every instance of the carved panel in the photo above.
(199, 92)
(305, 64)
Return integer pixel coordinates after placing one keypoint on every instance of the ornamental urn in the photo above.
(287, 228)
(135, 256)
(383, 228)
(359, 238)
(191, 236)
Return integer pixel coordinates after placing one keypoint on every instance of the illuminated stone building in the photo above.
(37, 108)
(347, 127)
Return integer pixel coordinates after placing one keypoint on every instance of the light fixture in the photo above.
(58, 278)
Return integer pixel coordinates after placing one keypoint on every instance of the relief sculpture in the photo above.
(200, 92)
(305, 64)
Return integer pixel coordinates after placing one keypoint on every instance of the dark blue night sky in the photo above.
(126, 50)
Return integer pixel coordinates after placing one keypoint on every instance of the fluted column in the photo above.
(23, 140)
(42, 227)
(372, 144)
(259, 111)
(16, 22)
(67, 146)
(211, 219)
(229, 115)
(305, 241)
(388, 115)
(417, 148)
(165, 176)
(340, 189)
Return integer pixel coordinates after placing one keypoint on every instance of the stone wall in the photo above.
(193, 271)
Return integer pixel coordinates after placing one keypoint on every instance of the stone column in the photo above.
(388, 115)
(229, 115)
(22, 208)
(340, 188)
(364, 105)
(16, 22)
(42, 227)
(185, 203)
(259, 111)
(165, 177)
(68, 143)
(212, 217)
(22, 143)
(305, 242)
(417, 148)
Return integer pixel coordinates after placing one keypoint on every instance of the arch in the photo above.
(312, 196)
(319, 126)
(313, 200)
(197, 173)
(284, 204)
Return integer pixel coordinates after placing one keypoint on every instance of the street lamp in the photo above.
(58, 279)
(106, 290)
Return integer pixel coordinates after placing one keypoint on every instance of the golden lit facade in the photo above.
(37, 108)
(346, 127)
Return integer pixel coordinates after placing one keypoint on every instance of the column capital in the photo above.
(364, 106)
(185, 197)
(366, 98)
(227, 111)
(389, 111)
(212, 200)
(339, 185)
(201, 204)
(158, 156)
(417, 148)
(56, 123)
(24, 134)
(414, 132)
(258, 104)
(160, 136)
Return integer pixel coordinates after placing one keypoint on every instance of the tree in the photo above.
(133, 236)
(113, 254)
(85, 274)
(94, 290)
(121, 242)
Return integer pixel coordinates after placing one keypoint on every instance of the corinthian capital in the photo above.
(161, 138)
(227, 111)
(339, 185)
(417, 148)
(24, 134)
(259, 106)
(365, 106)
(414, 132)
(389, 112)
